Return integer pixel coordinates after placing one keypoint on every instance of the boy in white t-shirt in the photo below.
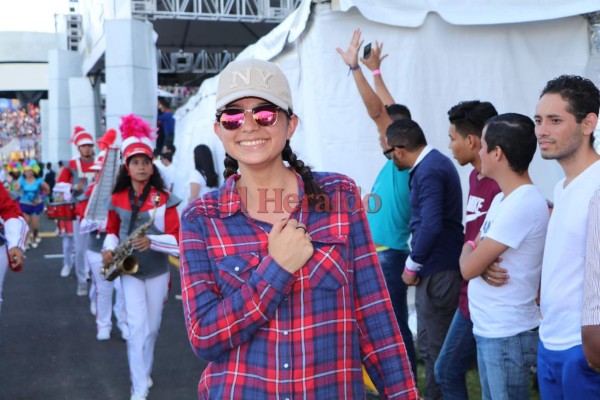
(506, 318)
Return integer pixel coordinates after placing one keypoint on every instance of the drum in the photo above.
(61, 211)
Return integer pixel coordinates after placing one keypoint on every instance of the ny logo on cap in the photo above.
(246, 76)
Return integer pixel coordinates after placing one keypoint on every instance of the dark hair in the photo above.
(398, 111)
(123, 180)
(49, 166)
(406, 133)
(164, 102)
(170, 148)
(203, 161)
(515, 135)
(60, 163)
(167, 156)
(469, 117)
(580, 93)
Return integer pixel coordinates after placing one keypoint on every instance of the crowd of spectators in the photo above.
(18, 122)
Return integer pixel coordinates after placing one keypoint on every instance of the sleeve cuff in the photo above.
(277, 277)
(110, 242)
(412, 265)
(16, 232)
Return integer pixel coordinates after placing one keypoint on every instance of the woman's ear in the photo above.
(292, 125)
(217, 130)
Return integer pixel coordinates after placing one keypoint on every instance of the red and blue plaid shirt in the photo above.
(269, 334)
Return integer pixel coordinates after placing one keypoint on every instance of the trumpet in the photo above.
(123, 262)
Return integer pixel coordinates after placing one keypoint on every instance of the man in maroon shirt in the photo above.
(458, 353)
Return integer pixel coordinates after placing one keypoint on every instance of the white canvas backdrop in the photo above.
(430, 68)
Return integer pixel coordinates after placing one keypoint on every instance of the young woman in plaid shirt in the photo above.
(281, 286)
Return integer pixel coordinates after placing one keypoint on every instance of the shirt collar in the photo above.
(426, 150)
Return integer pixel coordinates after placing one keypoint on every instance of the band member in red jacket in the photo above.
(12, 240)
(79, 174)
(138, 196)
(93, 221)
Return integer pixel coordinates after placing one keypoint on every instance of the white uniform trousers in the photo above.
(81, 242)
(144, 302)
(3, 269)
(103, 297)
(68, 245)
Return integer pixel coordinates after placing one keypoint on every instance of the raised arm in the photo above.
(375, 106)
(374, 64)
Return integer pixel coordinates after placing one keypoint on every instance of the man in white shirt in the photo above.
(506, 318)
(566, 116)
(166, 167)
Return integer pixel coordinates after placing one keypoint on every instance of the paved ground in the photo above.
(48, 347)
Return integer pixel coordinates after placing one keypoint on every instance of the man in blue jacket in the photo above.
(437, 239)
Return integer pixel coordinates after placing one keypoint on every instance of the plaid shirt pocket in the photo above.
(328, 266)
(235, 270)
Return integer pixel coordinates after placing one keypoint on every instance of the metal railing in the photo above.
(215, 10)
(203, 62)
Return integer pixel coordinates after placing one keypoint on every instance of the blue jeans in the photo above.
(458, 354)
(505, 365)
(392, 264)
(566, 375)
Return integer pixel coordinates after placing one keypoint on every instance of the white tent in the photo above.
(440, 53)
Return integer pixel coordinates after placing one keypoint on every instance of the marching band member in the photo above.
(78, 173)
(132, 207)
(15, 234)
(62, 193)
(101, 291)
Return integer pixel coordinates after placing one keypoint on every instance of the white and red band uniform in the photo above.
(15, 233)
(163, 233)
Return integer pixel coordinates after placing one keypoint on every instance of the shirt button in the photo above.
(285, 333)
(237, 269)
(286, 365)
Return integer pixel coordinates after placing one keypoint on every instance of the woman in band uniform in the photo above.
(133, 203)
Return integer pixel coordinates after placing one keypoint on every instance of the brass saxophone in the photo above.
(123, 262)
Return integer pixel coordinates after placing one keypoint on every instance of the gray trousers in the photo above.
(436, 300)
(81, 240)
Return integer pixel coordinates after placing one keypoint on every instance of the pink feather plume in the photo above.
(132, 125)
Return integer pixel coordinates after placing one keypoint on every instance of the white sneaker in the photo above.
(82, 289)
(124, 331)
(66, 270)
(93, 308)
(38, 239)
(178, 297)
(34, 245)
(137, 397)
(103, 334)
